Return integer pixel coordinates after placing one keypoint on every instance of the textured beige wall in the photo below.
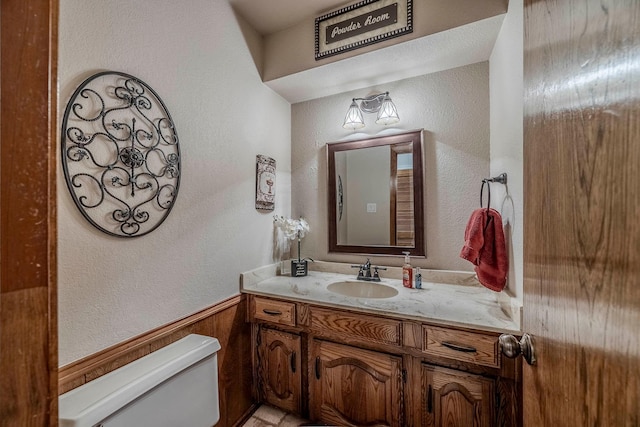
(368, 183)
(453, 108)
(196, 59)
(506, 84)
(292, 50)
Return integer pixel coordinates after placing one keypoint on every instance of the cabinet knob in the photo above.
(512, 348)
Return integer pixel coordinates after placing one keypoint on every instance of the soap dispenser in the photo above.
(418, 278)
(407, 271)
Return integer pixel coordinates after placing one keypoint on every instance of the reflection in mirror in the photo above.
(375, 195)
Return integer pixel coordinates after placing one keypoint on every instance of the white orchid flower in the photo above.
(292, 228)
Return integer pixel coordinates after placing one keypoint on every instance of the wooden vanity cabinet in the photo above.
(355, 387)
(279, 369)
(341, 367)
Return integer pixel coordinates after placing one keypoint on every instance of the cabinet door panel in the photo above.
(279, 363)
(456, 399)
(355, 387)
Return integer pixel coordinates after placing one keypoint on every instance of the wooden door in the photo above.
(402, 221)
(279, 369)
(28, 311)
(456, 399)
(355, 387)
(404, 226)
(582, 212)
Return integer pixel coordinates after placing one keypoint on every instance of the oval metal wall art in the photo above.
(120, 154)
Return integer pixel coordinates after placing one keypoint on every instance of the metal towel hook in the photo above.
(484, 181)
(502, 179)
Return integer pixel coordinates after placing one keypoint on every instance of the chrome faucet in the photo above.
(364, 272)
(366, 269)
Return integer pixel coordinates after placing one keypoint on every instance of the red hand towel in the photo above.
(485, 247)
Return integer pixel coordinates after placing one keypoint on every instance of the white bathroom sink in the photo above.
(360, 289)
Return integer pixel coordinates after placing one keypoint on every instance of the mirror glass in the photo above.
(375, 195)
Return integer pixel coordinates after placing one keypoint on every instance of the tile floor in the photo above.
(268, 416)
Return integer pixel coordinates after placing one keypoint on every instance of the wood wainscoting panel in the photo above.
(224, 321)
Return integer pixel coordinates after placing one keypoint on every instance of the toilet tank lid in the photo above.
(94, 401)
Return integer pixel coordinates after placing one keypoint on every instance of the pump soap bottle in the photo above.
(407, 271)
(418, 278)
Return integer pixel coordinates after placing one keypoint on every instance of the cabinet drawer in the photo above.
(472, 347)
(280, 312)
(328, 322)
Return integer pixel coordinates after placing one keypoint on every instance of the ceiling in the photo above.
(464, 45)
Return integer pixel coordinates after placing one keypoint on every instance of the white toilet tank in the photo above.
(172, 387)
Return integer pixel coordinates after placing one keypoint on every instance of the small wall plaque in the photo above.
(361, 24)
(265, 183)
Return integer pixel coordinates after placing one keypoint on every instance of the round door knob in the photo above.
(512, 348)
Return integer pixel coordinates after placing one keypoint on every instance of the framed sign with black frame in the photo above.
(361, 24)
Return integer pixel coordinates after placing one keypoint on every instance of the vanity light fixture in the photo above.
(379, 103)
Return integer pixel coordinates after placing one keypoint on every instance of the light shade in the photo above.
(353, 120)
(388, 113)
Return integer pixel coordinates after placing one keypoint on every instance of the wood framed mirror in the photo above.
(375, 195)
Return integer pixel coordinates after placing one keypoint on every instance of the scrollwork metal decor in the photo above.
(120, 154)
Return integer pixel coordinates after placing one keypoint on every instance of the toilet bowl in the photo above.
(174, 386)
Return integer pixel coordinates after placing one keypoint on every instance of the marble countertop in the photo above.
(446, 298)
